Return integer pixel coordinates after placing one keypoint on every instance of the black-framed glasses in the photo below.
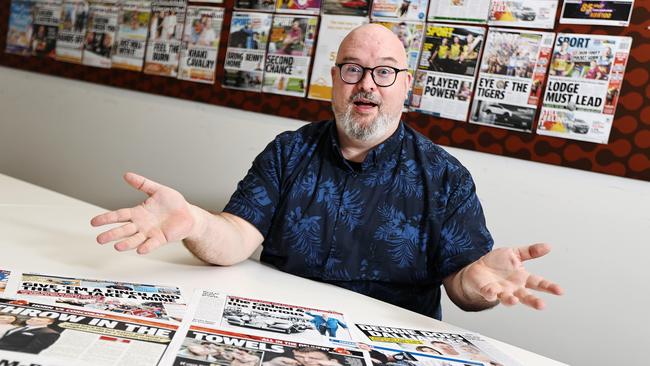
(383, 76)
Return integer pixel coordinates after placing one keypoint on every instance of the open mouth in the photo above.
(365, 103)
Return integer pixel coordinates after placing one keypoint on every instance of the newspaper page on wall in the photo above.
(583, 87)
(246, 52)
(128, 53)
(42, 334)
(290, 49)
(47, 16)
(520, 13)
(200, 44)
(257, 5)
(456, 348)
(447, 70)
(4, 278)
(512, 72)
(100, 33)
(617, 12)
(408, 10)
(19, 34)
(72, 31)
(332, 31)
(165, 32)
(455, 11)
(311, 7)
(346, 7)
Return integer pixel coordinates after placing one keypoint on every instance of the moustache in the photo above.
(365, 97)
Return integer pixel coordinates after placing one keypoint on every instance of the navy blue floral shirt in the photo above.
(391, 228)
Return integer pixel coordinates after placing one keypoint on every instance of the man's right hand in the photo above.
(163, 217)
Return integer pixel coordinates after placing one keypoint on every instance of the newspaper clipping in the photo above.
(19, 34)
(409, 10)
(165, 32)
(100, 33)
(447, 70)
(72, 31)
(257, 5)
(246, 53)
(512, 72)
(332, 31)
(290, 49)
(310, 7)
(583, 86)
(346, 7)
(520, 13)
(459, 11)
(616, 13)
(200, 44)
(462, 348)
(41, 334)
(128, 53)
(47, 16)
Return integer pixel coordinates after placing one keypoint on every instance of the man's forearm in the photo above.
(221, 239)
(464, 296)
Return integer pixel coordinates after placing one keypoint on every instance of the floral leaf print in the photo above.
(305, 186)
(382, 175)
(328, 193)
(351, 210)
(407, 181)
(334, 269)
(401, 234)
(303, 232)
(454, 240)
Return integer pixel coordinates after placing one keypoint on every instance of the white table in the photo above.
(47, 232)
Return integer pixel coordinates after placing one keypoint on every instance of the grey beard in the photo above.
(357, 131)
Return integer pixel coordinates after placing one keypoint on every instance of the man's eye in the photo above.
(354, 69)
(384, 71)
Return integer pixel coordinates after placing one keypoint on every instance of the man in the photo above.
(363, 202)
(204, 351)
(34, 337)
(325, 324)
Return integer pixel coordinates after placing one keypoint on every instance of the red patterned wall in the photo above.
(627, 154)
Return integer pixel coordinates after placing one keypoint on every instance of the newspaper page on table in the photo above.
(42, 334)
(19, 34)
(128, 52)
(200, 44)
(246, 52)
(525, 14)
(447, 70)
(47, 16)
(583, 87)
(165, 32)
(72, 31)
(291, 45)
(346, 7)
(512, 72)
(616, 13)
(332, 31)
(455, 348)
(233, 330)
(402, 10)
(459, 11)
(161, 303)
(100, 33)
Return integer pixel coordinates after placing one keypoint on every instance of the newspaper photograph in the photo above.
(526, 14)
(50, 335)
(19, 34)
(332, 31)
(165, 32)
(512, 72)
(133, 27)
(162, 303)
(72, 31)
(291, 45)
(607, 12)
(100, 33)
(584, 83)
(461, 348)
(406, 10)
(256, 5)
(447, 70)
(4, 278)
(346, 7)
(47, 16)
(459, 11)
(200, 44)
(246, 52)
(310, 7)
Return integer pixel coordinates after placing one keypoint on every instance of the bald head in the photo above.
(376, 40)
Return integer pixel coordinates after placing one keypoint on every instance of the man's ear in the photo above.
(333, 73)
(409, 82)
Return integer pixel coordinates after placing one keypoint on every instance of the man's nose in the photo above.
(366, 82)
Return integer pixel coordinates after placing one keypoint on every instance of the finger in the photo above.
(141, 183)
(121, 215)
(533, 251)
(490, 291)
(538, 283)
(117, 233)
(130, 242)
(149, 245)
(507, 298)
(526, 298)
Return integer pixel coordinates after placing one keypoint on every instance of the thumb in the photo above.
(141, 183)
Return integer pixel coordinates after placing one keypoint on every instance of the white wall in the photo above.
(78, 138)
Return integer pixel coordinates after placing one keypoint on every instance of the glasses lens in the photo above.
(384, 76)
(351, 73)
